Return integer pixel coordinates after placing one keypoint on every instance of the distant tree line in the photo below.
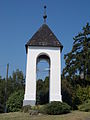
(42, 92)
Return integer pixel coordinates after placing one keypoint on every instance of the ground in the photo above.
(74, 115)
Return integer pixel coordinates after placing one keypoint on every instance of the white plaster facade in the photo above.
(54, 53)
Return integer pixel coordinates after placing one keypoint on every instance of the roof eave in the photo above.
(26, 46)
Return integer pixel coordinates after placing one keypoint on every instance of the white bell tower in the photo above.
(43, 43)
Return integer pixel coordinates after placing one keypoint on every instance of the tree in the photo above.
(42, 94)
(2, 95)
(40, 84)
(77, 69)
(46, 84)
(18, 79)
(67, 92)
(15, 101)
(14, 83)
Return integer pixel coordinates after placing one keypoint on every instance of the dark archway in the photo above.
(43, 78)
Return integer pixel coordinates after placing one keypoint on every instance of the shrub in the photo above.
(26, 108)
(15, 101)
(55, 108)
(83, 93)
(85, 106)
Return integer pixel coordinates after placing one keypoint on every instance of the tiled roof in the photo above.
(44, 37)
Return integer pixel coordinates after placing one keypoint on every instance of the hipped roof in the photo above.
(44, 37)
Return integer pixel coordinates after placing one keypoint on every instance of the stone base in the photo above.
(29, 102)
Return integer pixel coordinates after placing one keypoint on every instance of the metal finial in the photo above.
(44, 16)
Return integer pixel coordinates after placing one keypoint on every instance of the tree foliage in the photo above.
(15, 101)
(14, 83)
(67, 92)
(78, 60)
(76, 74)
(82, 93)
(85, 106)
(2, 92)
(42, 94)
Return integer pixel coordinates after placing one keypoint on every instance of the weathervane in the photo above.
(44, 16)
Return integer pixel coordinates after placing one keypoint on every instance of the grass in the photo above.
(74, 115)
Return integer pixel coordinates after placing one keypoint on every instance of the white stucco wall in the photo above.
(55, 72)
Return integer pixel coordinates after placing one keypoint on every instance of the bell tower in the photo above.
(43, 43)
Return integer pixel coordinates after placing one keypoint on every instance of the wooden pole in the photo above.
(6, 88)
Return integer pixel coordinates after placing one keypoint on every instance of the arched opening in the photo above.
(43, 78)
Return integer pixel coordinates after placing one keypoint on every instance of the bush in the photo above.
(80, 95)
(15, 101)
(85, 106)
(83, 93)
(26, 108)
(55, 108)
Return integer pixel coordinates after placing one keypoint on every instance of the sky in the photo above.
(20, 19)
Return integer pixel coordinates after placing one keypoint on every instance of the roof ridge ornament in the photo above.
(44, 16)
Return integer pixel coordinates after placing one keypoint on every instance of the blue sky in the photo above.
(20, 19)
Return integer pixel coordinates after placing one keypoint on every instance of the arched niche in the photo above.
(42, 79)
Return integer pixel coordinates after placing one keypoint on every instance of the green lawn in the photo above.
(75, 115)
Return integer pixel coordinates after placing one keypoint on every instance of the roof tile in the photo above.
(44, 37)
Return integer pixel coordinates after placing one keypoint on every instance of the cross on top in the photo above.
(44, 16)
